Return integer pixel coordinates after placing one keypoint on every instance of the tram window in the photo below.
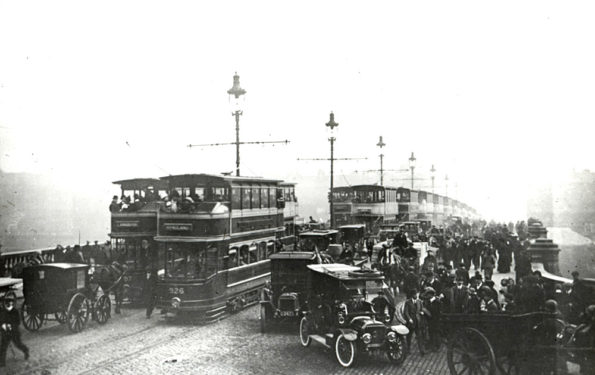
(218, 194)
(211, 261)
(236, 198)
(186, 261)
(244, 257)
(246, 198)
(255, 197)
(232, 258)
(199, 194)
(272, 198)
(253, 254)
(262, 251)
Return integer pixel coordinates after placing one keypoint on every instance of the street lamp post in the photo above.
(332, 124)
(381, 144)
(237, 91)
(433, 170)
(446, 180)
(412, 167)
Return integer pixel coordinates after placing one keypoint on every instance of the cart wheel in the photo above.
(31, 320)
(396, 350)
(304, 334)
(61, 317)
(78, 312)
(263, 318)
(102, 309)
(345, 351)
(470, 351)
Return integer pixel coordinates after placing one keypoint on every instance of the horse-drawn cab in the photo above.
(284, 297)
(347, 312)
(353, 235)
(64, 290)
(323, 241)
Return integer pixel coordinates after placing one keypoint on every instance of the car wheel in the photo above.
(345, 351)
(305, 339)
(396, 350)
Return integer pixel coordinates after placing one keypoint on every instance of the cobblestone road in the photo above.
(131, 344)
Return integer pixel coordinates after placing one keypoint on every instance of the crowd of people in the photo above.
(458, 278)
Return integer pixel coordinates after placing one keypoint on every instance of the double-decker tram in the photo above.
(133, 220)
(216, 242)
(371, 205)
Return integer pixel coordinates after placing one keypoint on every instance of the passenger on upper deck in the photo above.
(115, 206)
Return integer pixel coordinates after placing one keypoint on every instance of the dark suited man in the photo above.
(411, 312)
(150, 265)
(457, 296)
(9, 326)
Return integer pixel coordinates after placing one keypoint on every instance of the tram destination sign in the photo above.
(127, 224)
(178, 227)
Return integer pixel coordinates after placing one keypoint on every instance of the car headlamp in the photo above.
(175, 302)
(341, 318)
(391, 336)
(367, 338)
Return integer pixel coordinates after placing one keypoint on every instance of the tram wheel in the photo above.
(78, 313)
(31, 320)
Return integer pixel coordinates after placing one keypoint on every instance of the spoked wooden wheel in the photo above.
(61, 317)
(345, 351)
(31, 320)
(470, 352)
(78, 312)
(396, 350)
(102, 309)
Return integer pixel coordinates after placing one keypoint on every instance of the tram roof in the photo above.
(141, 183)
(373, 186)
(202, 177)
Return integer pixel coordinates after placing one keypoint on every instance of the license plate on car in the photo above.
(286, 313)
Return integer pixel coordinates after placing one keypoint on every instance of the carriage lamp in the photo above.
(391, 336)
(367, 338)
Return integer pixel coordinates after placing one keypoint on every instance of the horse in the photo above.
(111, 279)
(394, 272)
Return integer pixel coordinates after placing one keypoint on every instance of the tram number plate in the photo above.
(176, 290)
(286, 313)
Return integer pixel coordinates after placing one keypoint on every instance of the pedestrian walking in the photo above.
(9, 328)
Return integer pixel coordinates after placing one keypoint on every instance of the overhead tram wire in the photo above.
(152, 163)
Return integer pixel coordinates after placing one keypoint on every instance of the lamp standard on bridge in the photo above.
(381, 144)
(332, 125)
(237, 91)
(412, 167)
(433, 170)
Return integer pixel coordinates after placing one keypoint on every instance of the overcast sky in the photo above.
(490, 93)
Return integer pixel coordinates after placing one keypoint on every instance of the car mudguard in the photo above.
(348, 333)
(400, 329)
